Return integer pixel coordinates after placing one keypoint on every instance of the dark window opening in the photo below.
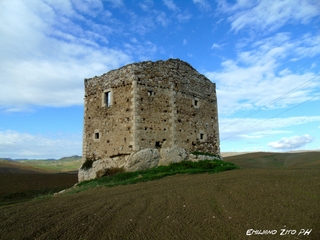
(196, 102)
(96, 135)
(151, 93)
(201, 136)
(158, 145)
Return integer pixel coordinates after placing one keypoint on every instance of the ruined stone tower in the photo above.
(156, 105)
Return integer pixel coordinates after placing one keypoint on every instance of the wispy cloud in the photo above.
(247, 128)
(216, 46)
(255, 78)
(202, 4)
(268, 16)
(171, 5)
(291, 142)
(184, 16)
(24, 145)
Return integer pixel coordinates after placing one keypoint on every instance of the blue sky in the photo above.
(264, 57)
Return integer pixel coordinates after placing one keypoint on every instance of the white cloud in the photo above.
(257, 80)
(269, 15)
(15, 144)
(203, 4)
(146, 5)
(247, 128)
(171, 5)
(184, 17)
(88, 7)
(291, 142)
(162, 19)
(216, 46)
(41, 63)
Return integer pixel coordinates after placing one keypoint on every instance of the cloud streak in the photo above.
(248, 128)
(268, 16)
(16, 144)
(257, 78)
(291, 142)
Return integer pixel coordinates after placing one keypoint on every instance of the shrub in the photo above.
(88, 163)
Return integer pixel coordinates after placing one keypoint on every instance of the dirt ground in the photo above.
(26, 185)
(226, 205)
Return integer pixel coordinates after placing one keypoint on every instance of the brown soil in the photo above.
(202, 206)
(23, 186)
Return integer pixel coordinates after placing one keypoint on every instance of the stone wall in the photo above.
(144, 105)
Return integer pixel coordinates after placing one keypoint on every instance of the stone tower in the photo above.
(157, 105)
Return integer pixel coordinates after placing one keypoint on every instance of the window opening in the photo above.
(158, 145)
(96, 135)
(107, 98)
(196, 102)
(151, 93)
(201, 136)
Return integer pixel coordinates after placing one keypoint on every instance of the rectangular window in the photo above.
(107, 99)
(96, 135)
(201, 136)
(196, 102)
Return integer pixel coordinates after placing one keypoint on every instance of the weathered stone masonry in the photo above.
(158, 105)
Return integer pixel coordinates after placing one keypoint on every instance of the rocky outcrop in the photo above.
(141, 160)
(196, 158)
(170, 155)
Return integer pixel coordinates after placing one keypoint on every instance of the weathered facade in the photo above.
(143, 105)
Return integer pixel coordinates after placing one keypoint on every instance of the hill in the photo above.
(276, 160)
(266, 194)
(65, 164)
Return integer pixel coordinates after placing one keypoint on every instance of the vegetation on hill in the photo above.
(117, 176)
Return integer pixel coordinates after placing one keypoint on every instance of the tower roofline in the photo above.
(146, 63)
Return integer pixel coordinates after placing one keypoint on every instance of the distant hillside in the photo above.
(65, 164)
(305, 159)
(10, 166)
(72, 158)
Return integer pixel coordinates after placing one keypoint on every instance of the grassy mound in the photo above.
(123, 178)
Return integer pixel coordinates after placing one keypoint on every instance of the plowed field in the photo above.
(203, 206)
